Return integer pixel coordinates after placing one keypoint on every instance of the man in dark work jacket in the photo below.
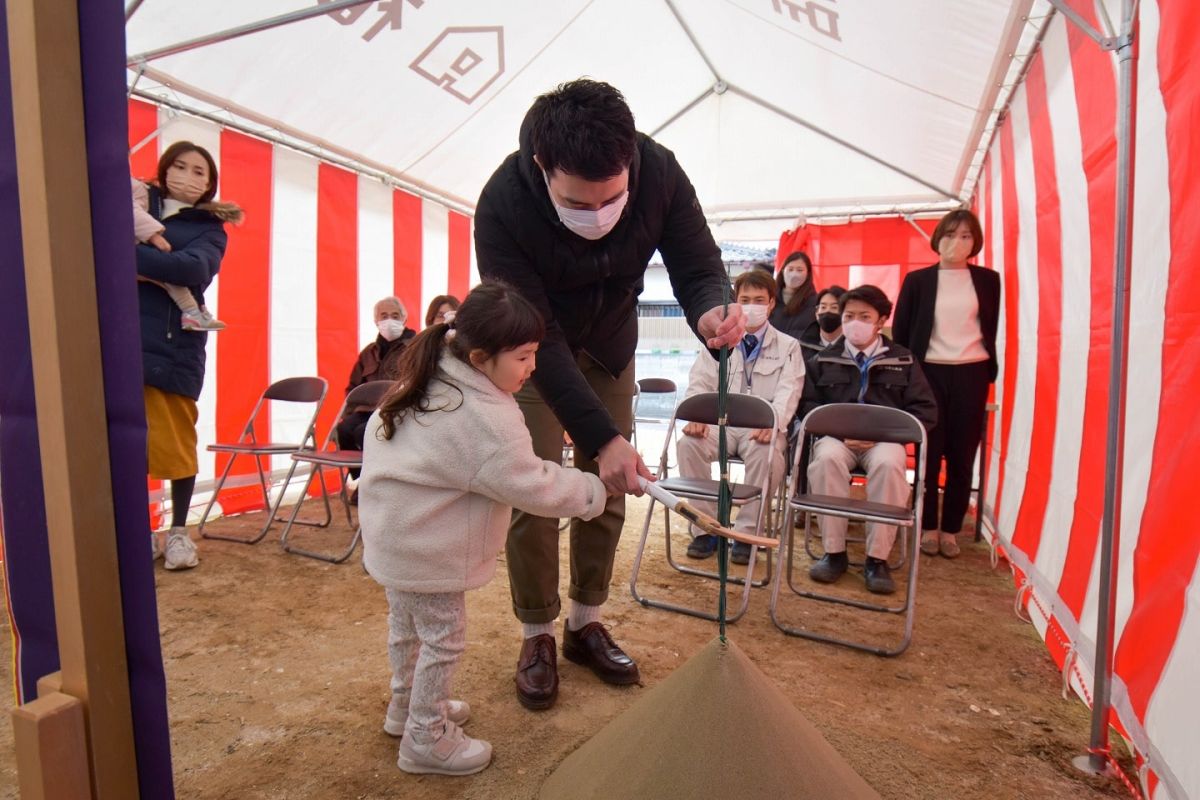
(571, 220)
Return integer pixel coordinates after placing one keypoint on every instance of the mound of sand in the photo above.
(717, 727)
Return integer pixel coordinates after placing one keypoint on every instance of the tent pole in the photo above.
(852, 213)
(132, 8)
(1096, 759)
(699, 99)
(241, 30)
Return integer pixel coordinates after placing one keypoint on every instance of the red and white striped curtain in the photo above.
(320, 245)
(1047, 201)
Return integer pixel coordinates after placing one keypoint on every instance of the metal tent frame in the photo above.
(1123, 44)
(971, 161)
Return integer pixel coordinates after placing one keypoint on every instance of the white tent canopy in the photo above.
(774, 107)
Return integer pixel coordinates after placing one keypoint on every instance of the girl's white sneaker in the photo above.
(453, 753)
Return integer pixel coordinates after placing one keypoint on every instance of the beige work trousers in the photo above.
(696, 455)
(829, 473)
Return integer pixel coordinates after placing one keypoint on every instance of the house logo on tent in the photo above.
(463, 60)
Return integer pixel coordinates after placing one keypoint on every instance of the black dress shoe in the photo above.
(879, 576)
(740, 554)
(595, 649)
(703, 546)
(537, 673)
(831, 567)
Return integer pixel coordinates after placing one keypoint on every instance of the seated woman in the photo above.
(439, 307)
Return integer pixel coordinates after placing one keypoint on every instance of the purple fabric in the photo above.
(102, 54)
(26, 554)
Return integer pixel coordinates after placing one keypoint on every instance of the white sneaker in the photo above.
(181, 550)
(457, 711)
(157, 544)
(453, 753)
(201, 320)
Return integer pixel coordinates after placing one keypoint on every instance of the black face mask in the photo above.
(829, 321)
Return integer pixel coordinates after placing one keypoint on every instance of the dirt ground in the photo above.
(278, 679)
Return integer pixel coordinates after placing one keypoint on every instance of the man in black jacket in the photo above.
(571, 220)
(864, 366)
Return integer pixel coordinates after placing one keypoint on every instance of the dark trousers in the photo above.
(961, 391)
(350, 433)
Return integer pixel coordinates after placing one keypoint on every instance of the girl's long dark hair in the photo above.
(494, 317)
(806, 289)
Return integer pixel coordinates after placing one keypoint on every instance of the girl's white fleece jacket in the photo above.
(435, 500)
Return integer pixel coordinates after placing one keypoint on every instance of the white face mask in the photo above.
(591, 225)
(390, 329)
(184, 187)
(793, 279)
(954, 250)
(755, 314)
(858, 332)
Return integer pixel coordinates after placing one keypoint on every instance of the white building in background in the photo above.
(666, 345)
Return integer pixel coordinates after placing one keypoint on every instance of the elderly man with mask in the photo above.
(571, 220)
(378, 361)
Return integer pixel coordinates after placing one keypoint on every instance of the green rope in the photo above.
(724, 495)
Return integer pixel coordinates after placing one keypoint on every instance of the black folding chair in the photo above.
(867, 423)
(332, 457)
(742, 411)
(288, 390)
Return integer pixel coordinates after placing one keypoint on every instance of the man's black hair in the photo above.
(583, 128)
(872, 296)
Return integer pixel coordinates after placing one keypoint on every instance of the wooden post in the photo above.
(51, 749)
(64, 333)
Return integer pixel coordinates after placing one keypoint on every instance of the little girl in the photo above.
(445, 458)
(148, 230)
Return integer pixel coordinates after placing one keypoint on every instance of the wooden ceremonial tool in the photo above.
(700, 519)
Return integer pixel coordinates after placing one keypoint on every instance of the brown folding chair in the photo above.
(288, 390)
(331, 457)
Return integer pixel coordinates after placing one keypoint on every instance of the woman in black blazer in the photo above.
(947, 315)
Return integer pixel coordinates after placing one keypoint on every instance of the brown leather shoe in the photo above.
(537, 673)
(594, 648)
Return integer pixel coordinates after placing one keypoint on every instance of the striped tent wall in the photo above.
(320, 245)
(1047, 200)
